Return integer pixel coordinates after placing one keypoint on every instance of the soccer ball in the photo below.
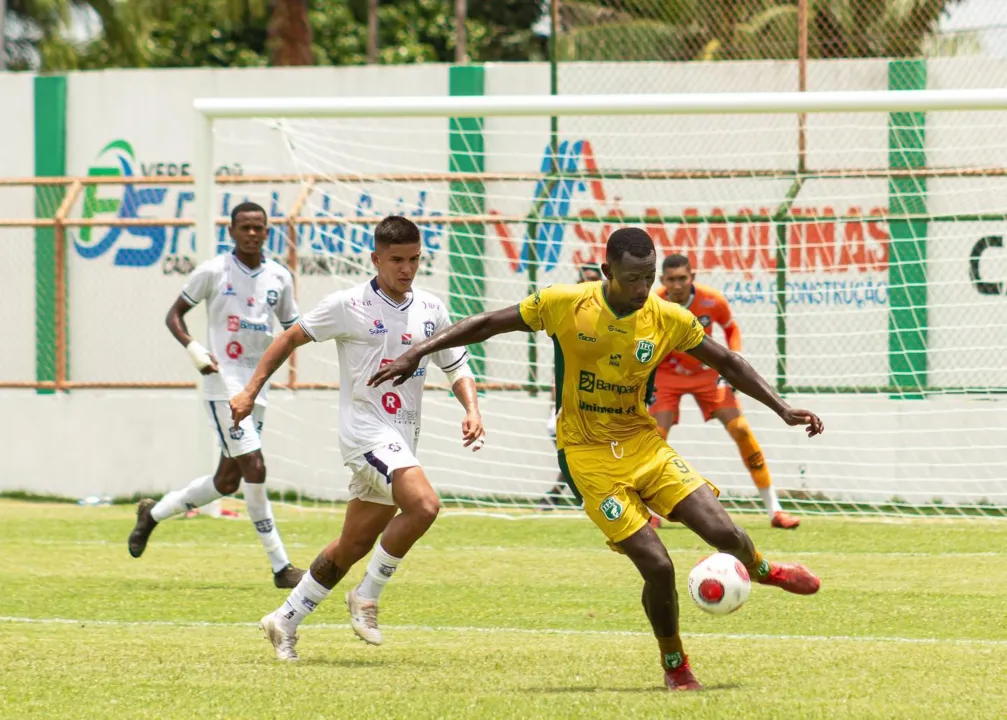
(719, 584)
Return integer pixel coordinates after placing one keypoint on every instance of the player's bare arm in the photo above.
(471, 330)
(472, 426)
(175, 320)
(742, 376)
(274, 357)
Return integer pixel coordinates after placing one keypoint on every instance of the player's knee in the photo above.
(252, 467)
(727, 537)
(425, 510)
(739, 429)
(227, 482)
(659, 570)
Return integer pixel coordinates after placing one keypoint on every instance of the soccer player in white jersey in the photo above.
(244, 293)
(372, 325)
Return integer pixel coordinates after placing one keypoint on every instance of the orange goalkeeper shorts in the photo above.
(711, 393)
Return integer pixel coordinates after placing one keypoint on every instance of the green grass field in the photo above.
(492, 619)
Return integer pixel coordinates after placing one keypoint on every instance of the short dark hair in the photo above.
(396, 230)
(247, 207)
(630, 240)
(674, 261)
(586, 269)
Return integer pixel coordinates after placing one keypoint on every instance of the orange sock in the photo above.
(750, 451)
(672, 654)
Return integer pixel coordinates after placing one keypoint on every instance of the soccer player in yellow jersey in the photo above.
(610, 337)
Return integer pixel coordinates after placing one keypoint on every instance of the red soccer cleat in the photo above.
(655, 521)
(681, 678)
(793, 578)
(784, 521)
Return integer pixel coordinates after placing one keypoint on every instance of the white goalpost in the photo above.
(857, 236)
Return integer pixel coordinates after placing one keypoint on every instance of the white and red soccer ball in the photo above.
(719, 584)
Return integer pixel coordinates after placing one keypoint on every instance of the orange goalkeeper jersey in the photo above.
(709, 307)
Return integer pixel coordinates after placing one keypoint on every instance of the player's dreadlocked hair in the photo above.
(630, 240)
(396, 230)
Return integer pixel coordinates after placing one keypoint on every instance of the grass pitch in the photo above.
(494, 619)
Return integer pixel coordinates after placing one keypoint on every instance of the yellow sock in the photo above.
(672, 654)
(759, 567)
(751, 451)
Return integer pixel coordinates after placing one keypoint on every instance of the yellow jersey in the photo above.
(603, 361)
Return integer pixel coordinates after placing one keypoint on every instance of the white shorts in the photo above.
(235, 442)
(372, 471)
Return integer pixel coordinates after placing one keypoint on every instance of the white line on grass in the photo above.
(520, 631)
(532, 548)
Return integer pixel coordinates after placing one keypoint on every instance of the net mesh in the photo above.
(867, 286)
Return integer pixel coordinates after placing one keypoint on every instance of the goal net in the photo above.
(861, 254)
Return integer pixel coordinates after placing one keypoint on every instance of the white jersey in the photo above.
(241, 306)
(371, 330)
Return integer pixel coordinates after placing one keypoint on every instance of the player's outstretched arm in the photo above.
(175, 320)
(471, 330)
(464, 388)
(742, 376)
(276, 354)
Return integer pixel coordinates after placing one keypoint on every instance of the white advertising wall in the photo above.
(123, 280)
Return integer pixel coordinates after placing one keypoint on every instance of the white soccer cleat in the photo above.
(283, 643)
(363, 618)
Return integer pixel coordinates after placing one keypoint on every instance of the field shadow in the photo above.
(634, 690)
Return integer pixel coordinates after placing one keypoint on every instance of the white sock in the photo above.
(379, 571)
(301, 602)
(260, 510)
(196, 494)
(770, 500)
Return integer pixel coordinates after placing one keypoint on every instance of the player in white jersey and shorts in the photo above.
(390, 495)
(244, 294)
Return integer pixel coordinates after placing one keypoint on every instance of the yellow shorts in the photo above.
(619, 482)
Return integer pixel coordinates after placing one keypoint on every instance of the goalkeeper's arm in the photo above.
(276, 354)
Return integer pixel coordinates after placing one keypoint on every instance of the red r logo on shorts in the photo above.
(391, 403)
(233, 323)
(234, 350)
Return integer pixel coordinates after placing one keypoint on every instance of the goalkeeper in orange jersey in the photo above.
(611, 336)
(682, 374)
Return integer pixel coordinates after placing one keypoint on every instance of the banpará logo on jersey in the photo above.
(378, 329)
(613, 328)
(234, 350)
(589, 382)
(256, 327)
(428, 328)
(586, 338)
(645, 349)
(407, 339)
(233, 323)
(272, 297)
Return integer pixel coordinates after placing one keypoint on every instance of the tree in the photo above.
(745, 29)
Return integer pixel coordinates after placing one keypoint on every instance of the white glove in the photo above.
(200, 355)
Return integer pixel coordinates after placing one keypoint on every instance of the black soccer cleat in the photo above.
(145, 525)
(288, 577)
